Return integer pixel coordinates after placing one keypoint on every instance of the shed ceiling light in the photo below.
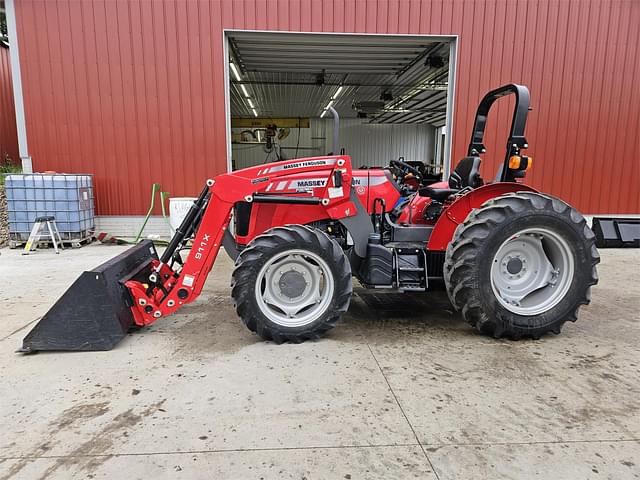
(255, 114)
(251, 103)
(244, 90)
(335, 95)
(235, 71)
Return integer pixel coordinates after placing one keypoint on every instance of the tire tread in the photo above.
(247, 267)
(468, 238)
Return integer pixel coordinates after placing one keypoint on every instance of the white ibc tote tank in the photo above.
(178, 208)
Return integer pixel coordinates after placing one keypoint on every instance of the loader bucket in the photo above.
(94, 313)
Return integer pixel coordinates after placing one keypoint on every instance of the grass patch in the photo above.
(6, 167)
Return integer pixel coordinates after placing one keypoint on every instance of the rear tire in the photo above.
(486, 272)
(291, 284)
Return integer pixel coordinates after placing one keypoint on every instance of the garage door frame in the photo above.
(451, 90)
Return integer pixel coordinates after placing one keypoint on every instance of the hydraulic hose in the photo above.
(186, 227)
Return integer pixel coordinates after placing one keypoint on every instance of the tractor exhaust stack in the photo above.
(95, 312)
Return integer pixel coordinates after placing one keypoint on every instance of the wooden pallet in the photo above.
(46, 243)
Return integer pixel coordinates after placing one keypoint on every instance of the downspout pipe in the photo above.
(16, 79)
(336, 130)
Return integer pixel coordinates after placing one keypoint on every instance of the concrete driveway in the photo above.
(402, 388)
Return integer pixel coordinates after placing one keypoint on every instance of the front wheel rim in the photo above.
(532, 271)
(294, 288)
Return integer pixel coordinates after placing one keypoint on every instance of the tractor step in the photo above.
(410, 267)
(407, 247)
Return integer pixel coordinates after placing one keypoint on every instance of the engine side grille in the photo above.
(242, 215)
(435, 264)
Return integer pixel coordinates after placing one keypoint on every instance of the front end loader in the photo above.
(515, 262)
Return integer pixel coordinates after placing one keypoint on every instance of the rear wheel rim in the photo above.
(294, 288)
(532, 271)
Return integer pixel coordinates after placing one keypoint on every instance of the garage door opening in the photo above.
(393, 94)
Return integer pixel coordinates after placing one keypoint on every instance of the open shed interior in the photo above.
(390, 93)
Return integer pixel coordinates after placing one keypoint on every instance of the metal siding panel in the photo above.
(146, 104)
(463, 24)
(376, 144)
(414, 16)
(561, 95)
(593, 42)
(184, 92)
(106, 93)
(403, 17)
(594, 112)
(435, 18)
(576, 137)
(495, 74)
(160, 85)
(195, 78)
(104, 182)
(627, 120)
(139, 175)
(249, 15)
(392, 17)
(176, 112)
(546, 22)
(212, 103)
(294, 16)
(66, 46)
(8, 132)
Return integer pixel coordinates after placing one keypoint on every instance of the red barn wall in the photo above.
(133, 91)
(8, 132)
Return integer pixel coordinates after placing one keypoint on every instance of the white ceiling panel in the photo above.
(296, 75)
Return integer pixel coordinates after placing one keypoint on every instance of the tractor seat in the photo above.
(466, 174)
(439, 194)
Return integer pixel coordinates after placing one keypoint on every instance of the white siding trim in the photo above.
(127, 226)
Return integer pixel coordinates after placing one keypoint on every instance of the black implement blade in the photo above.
(617, 232)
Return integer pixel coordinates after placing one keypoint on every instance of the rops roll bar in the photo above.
(516, 139)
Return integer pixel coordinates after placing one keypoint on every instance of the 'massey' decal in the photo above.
(308, 183)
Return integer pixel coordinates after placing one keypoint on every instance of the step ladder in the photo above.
(36, 233)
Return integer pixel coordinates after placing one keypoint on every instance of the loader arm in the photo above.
(171, 283)
(138, 287)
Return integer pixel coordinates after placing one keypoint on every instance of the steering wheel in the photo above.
(405, 169)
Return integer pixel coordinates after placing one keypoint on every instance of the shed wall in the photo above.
(367, 144)
(133, 91)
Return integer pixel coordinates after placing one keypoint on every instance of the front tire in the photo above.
(291, 284)
(521, 265)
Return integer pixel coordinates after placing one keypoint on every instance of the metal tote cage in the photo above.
(67, 197)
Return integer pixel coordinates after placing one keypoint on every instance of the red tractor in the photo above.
(515, 262)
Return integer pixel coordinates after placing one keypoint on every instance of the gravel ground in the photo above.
(4, 217)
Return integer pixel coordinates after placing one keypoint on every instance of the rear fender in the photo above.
(458, 211)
